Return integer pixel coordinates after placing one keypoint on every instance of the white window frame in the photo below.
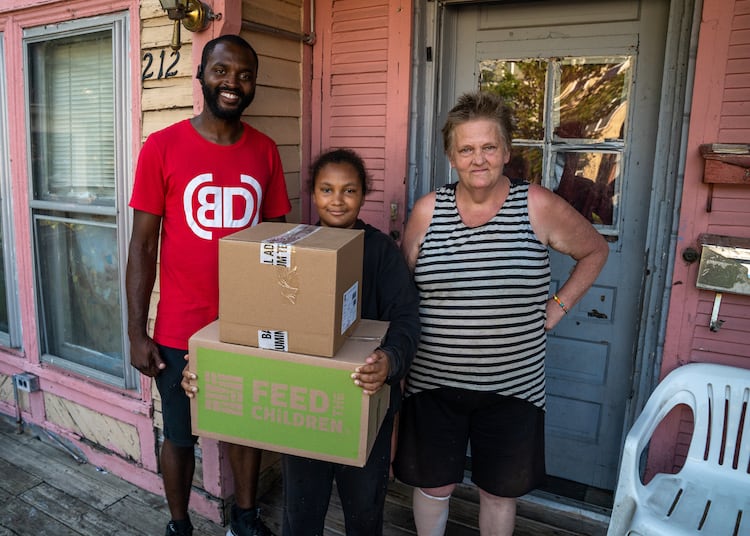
(119, 26)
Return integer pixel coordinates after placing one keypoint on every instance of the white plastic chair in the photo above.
(710, 495)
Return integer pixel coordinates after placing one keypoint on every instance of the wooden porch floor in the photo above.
(44, 490)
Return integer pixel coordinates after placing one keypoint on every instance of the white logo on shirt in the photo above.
(215, 205)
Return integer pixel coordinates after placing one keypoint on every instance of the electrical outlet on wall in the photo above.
(26, 382)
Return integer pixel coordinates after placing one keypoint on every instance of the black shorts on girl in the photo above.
(175, 405)
(506, 436)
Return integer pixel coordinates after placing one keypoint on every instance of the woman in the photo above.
(478, 251)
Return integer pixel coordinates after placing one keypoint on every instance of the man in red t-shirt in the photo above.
(197, 181)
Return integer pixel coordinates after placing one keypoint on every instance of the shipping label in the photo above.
(277, 250)
(276, 254)
(349, 309)
(273, 340)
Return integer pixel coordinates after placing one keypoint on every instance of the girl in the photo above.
(338, 184)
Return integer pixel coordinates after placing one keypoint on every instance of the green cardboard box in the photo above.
(287, 402)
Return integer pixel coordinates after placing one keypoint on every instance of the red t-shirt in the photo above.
(203, 192)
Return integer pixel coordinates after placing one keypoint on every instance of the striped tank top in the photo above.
(483, 301)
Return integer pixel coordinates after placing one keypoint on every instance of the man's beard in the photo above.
(211, 99)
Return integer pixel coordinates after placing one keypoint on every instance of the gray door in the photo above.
(584, 77)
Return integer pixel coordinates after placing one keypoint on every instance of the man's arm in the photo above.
(140, 276)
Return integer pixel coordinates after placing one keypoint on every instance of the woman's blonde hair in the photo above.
(479, 105)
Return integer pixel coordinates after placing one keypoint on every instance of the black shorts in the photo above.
(175, 405)
(506, 436)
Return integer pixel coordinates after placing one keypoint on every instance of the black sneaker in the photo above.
(247, 523)
(172, 530)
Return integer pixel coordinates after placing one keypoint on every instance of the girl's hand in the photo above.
(372, 375)
(189, 380)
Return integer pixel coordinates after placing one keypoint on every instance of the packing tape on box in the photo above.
(287, 279)
(293, 235)
(277, 251)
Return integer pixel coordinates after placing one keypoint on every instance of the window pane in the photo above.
(72, 119)
(525, 163)
(79, 278)
(588, 181)
(521, 84)
(592, 100)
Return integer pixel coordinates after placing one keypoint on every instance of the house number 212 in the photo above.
(149, 70)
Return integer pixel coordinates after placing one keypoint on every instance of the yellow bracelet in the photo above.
(560, 303)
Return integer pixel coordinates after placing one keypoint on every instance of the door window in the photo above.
(571, 117)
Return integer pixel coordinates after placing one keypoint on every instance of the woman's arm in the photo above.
(557, 224)
(416, 228)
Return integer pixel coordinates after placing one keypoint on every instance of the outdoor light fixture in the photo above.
(193, 14)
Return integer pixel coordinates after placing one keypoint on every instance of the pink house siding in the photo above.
(734, 125)
(361, 95)
(720, 113)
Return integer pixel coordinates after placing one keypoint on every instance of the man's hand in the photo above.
(144, 356)
(140, 275)
(372, 375)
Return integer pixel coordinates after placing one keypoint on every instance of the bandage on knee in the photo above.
(430, 513)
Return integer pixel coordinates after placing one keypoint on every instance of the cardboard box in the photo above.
(287, 402)
(292, 288)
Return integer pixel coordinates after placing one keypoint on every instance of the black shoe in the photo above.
(247, 523)
(172, 530)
